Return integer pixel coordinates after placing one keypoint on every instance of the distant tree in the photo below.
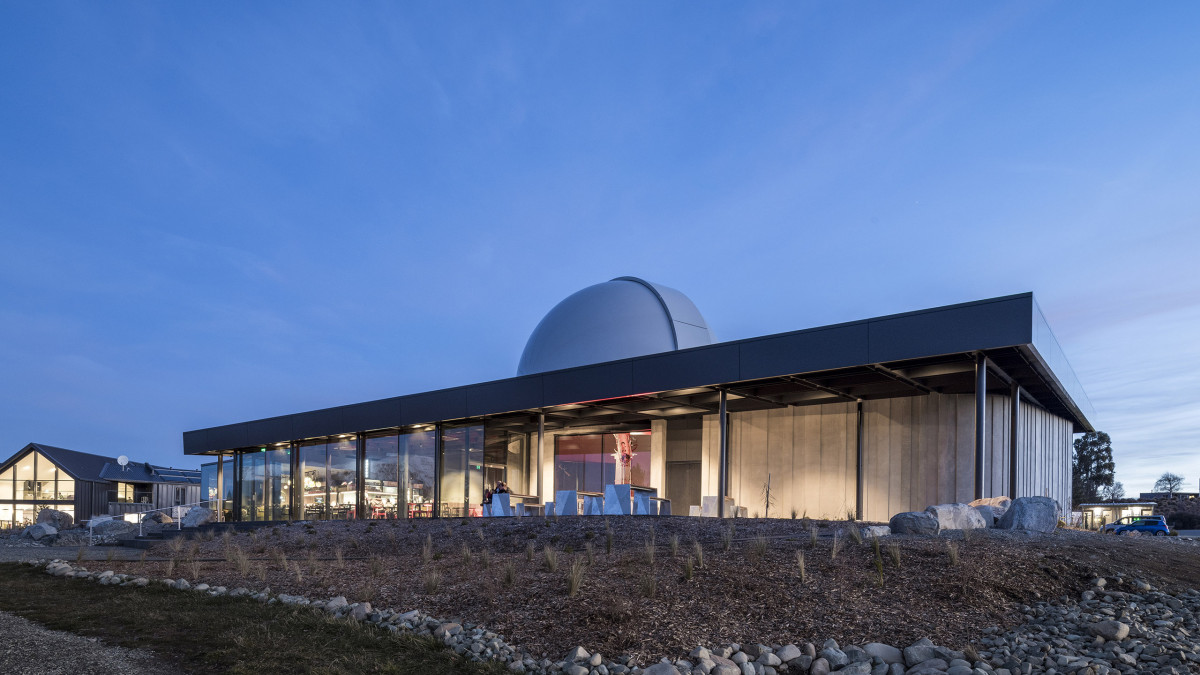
(1169, 483)
(1113, 492)
(1092, 467)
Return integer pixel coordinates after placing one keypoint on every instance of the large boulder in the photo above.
(59, 520)
(197, 516)
(112, 527)
(157, 517)
(956, 517)
(988, 513)
(999, 504)
(913, 522)
(1032, 514)
(39, 532)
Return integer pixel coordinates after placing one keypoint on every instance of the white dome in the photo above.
(617, 319)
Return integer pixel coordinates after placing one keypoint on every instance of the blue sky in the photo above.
(212, 212)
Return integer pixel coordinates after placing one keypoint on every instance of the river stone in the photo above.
(886, 653)
(1031, 514)
(956, 517)
(59, 520)
(914, 522)
(835, 657)
(661, 668)
(788, 652)
(919, 652)
(819, 667)
(1110, 630)
(856, 668)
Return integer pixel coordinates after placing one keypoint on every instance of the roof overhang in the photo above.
(909, 354)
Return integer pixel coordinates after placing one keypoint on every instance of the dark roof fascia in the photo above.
(1003, 322)
(142, 472)
(83, 466)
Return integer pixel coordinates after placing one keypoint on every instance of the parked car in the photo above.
(1147, 525)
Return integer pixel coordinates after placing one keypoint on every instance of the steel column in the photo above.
(541, 448)
(723, 455)
(237, 486)
(980, 421)
(360, 457)
(859, 478)
(437, 470)
(1014, 435)
(220, 487)
(296, 493)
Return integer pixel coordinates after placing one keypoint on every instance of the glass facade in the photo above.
(208, 486)
(30, 484)
(266, 485)
(588, 462)
(407, 474)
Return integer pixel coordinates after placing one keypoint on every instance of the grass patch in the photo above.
(202, 634)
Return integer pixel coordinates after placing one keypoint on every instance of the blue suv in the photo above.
(1146, 525)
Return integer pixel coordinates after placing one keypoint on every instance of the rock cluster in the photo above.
(1123, 626)
(1028, 514)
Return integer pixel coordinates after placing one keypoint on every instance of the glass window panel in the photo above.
(66, 486)
(417, 471)
(6, 490)
(24, 515)
(462, 471)
(278, 477)
(23, 488)
(46, 472)
(636, 447)
(381, 476)
(6, 513)
(517, 463)
(314, 477)
(343, 466)
(252, 486)
(578, 463)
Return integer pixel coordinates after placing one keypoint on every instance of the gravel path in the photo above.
(30, 648)
(14, 552)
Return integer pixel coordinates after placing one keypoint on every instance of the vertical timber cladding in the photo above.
(920, 451)
(1044, 454)
(809, 452)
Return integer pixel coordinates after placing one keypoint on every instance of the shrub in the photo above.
(688, 568)
(649, 549)
(758, 548)
(551, 557)
(854, 532)
(674, 544)
(375, 566)
(466, 553)
(812, 535)
(575, 577)
(800, 566)
(485, 558)
(510, 574)
(648, 585)
(591, 553)
(952, 551)
(529, 552)
(894, 553)
(698, 550)
(426, 549)
(727, 540)
(432, 580)
(879, 569)
(837, 544)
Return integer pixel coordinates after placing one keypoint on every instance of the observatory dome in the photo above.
(617, 319)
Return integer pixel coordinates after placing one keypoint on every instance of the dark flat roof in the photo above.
(902, 354)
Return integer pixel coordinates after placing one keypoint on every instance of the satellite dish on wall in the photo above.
(123, 461)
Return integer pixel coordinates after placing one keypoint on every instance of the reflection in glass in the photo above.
(588, 462)
(462, 471)
(314, 473)
(381, 476)
(418, 471)
(45, 472)
(343, 464)
(277, 477)
(251, 483)
(6, 490)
